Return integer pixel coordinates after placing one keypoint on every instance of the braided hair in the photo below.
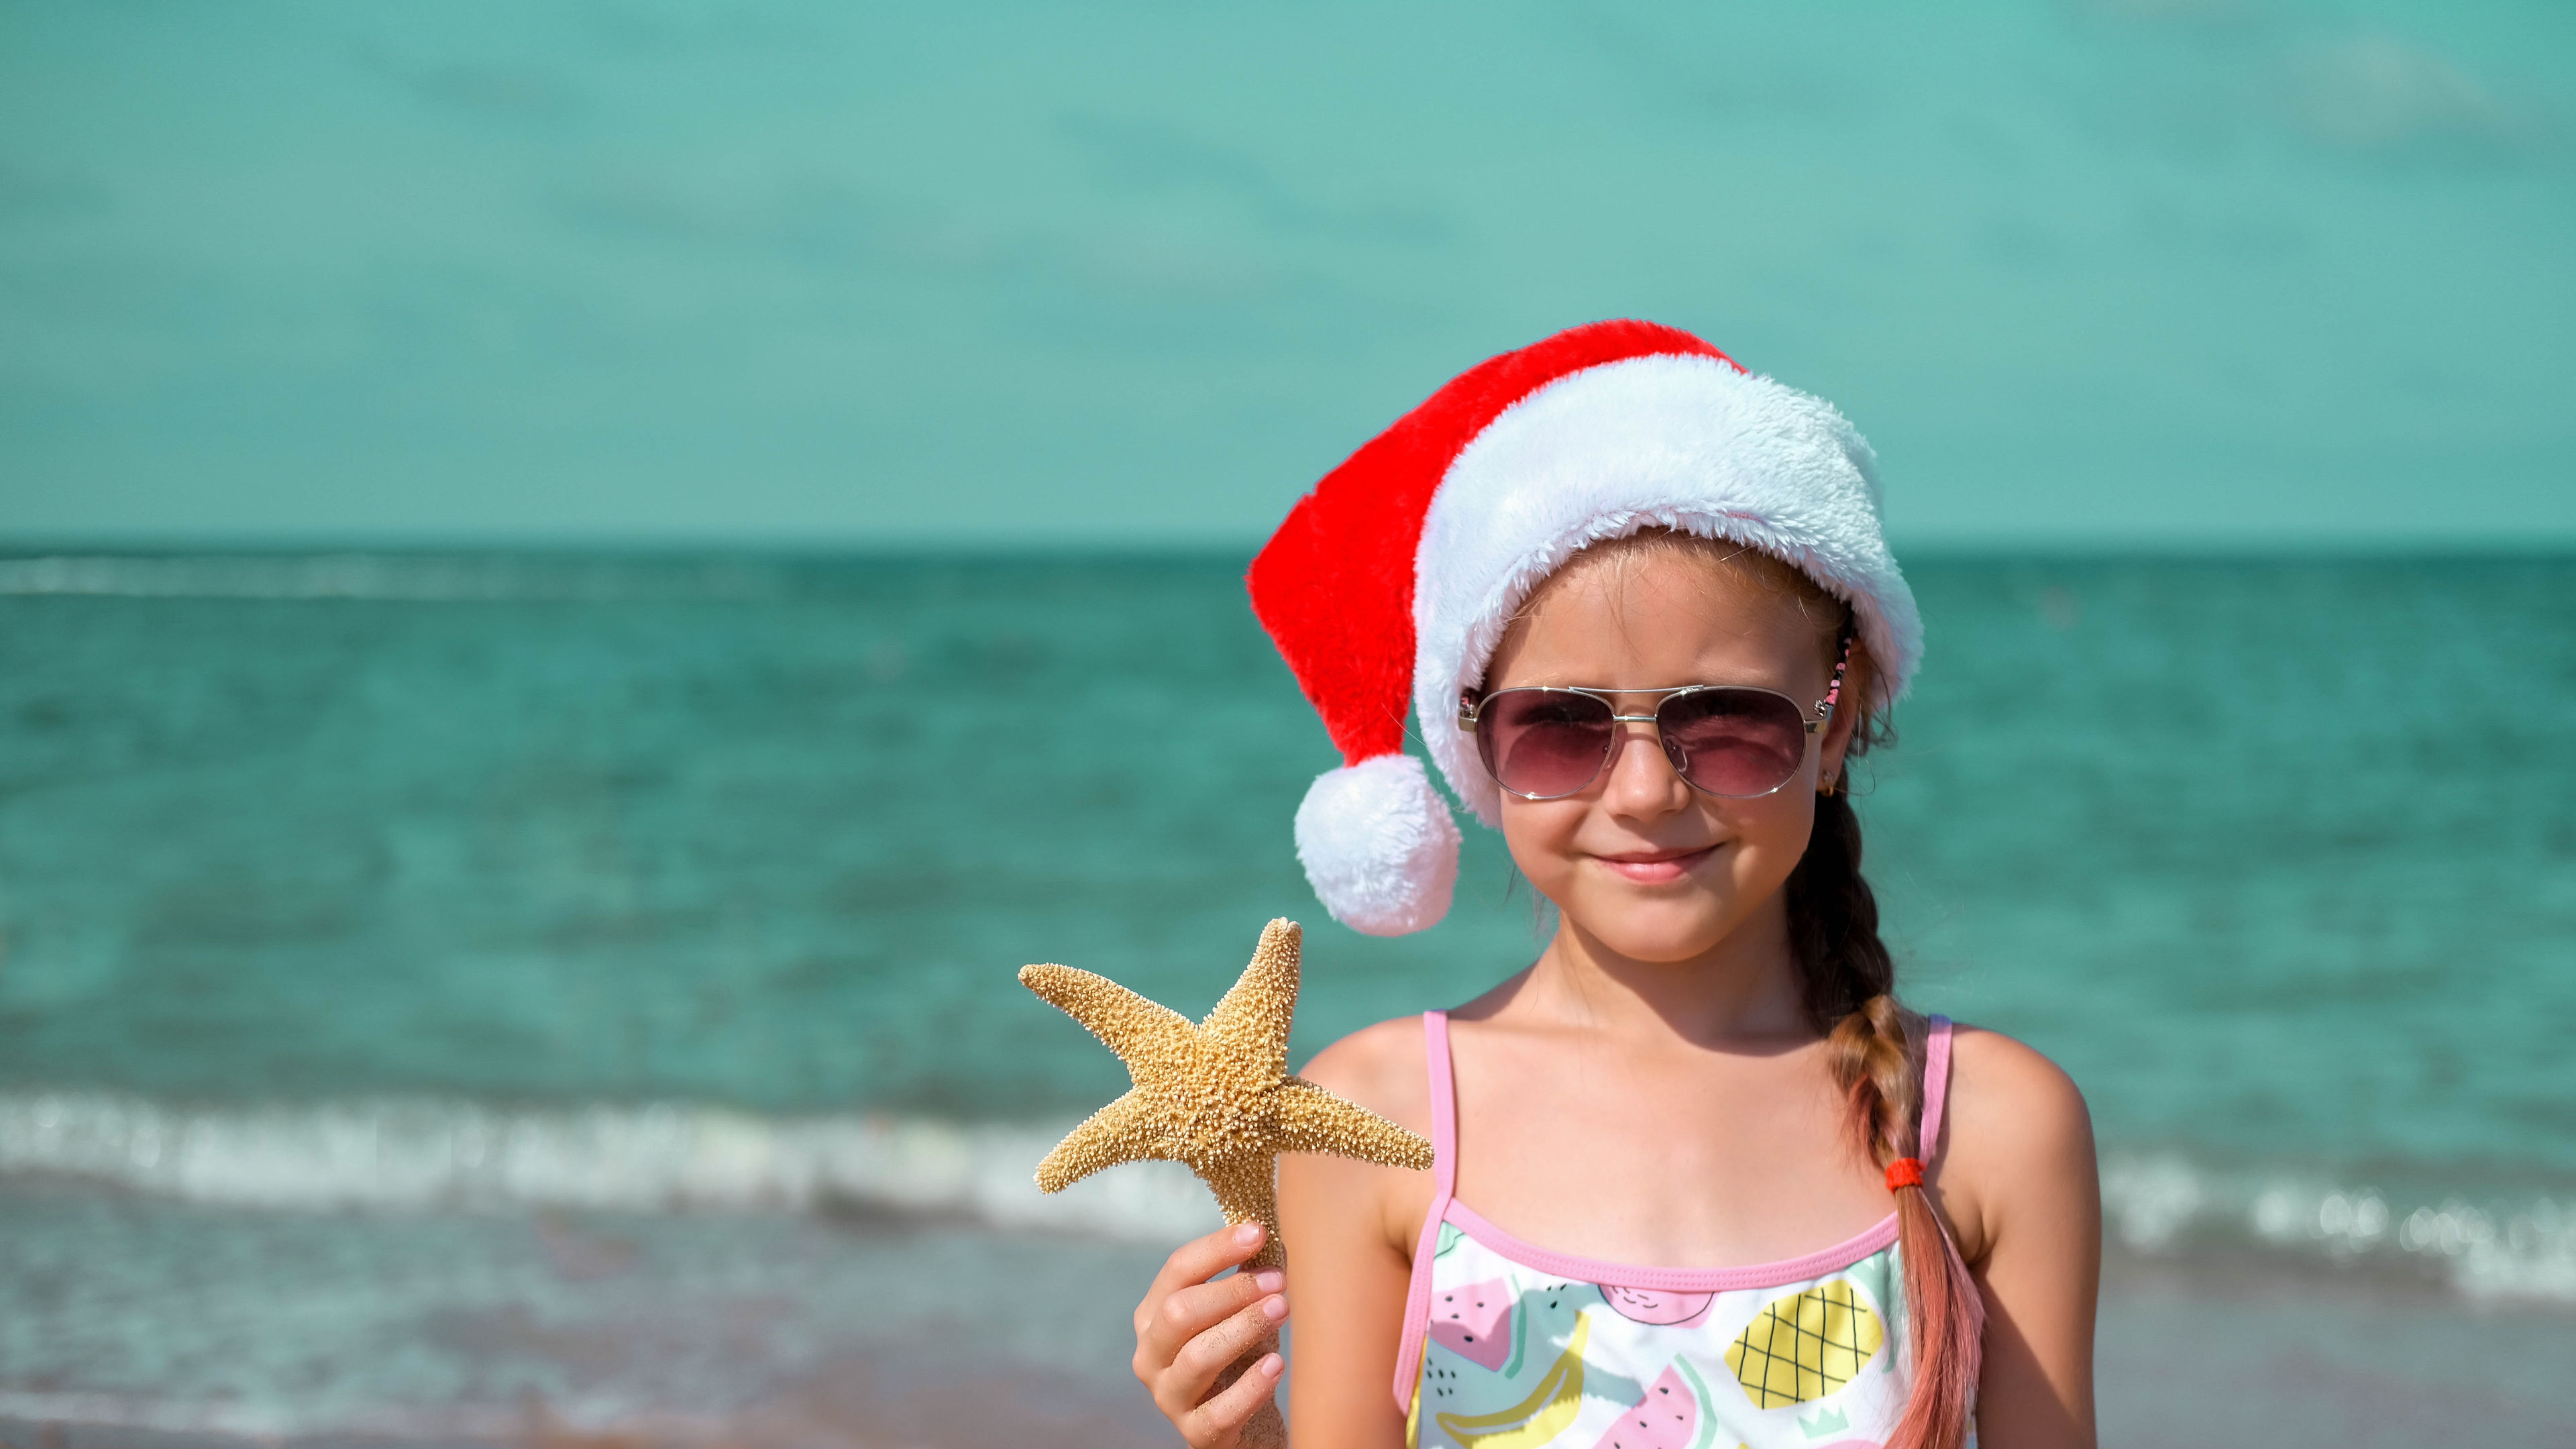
(1847, 983)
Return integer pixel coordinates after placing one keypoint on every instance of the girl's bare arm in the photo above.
(2020, 1184)
(1350, 1228)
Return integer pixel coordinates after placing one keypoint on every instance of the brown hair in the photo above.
(1847, 982)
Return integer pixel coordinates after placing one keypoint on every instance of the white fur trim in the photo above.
(1686, 443)
(1379, 845)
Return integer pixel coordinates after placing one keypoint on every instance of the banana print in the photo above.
(1534, 1420)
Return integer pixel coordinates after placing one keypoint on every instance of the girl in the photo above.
(1700, 1179)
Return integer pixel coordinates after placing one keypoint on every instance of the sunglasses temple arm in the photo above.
(1834, 691)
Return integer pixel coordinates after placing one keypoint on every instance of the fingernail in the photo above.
(1248, 1234)
(1270, 1282)
(1274, 1307)
(1271, 1364)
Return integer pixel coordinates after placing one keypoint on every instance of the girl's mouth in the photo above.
(1655, 867)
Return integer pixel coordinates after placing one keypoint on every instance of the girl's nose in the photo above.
(1643, 781)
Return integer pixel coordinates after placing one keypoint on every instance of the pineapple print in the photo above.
(1805, 1346)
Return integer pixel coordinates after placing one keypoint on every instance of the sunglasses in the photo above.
(1732, 740)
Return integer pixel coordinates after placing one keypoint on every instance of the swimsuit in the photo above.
(1509, 1346)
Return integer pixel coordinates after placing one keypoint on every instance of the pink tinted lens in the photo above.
(1734, 742)
(1543, 742)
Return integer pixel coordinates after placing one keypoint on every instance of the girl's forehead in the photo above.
(1667, 609)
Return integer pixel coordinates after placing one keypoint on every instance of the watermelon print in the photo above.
(1646, 1305)
(1666, 1418)
(1474, 1321)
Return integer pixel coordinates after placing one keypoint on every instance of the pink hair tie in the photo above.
(1904, 1172)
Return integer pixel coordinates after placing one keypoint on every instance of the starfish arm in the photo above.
(1250, 1024)
(1124, 1131)
(1311, 1119)
(1247, 1191)
(1136, 1029)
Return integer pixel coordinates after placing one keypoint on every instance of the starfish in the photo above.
(1217, 1095)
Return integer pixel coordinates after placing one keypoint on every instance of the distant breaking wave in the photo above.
(428, 1154)
(2496, 1249)
(462, 578)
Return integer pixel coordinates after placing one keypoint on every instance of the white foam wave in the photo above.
(379, 576)
(2501, 1249)
(429, 1154)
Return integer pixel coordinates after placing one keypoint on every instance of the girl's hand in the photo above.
(1190, 1331)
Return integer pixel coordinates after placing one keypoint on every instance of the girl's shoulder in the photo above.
(2005, 1089)
(1385, 1068)
(2017, 1139)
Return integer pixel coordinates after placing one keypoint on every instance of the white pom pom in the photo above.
(1379, 846)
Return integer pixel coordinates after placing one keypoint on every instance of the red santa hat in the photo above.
(1393, 580)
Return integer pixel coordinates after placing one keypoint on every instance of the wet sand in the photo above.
(2258, 1355)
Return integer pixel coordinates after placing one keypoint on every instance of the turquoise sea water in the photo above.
(383, 889)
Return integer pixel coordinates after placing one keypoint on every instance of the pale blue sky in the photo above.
(2168, 272)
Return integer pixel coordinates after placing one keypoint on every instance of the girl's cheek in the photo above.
(1540, 836)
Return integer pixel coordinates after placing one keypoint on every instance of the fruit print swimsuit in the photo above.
(1509, 1346)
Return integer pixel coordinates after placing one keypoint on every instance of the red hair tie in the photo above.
(1904, 1172)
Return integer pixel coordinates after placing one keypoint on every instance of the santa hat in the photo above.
(1393, 580)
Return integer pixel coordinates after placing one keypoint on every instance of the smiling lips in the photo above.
(1655, 867)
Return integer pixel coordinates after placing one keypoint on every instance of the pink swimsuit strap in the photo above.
(1444, 1108)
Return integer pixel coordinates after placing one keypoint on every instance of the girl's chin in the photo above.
(1664, 952)
(1642, 933)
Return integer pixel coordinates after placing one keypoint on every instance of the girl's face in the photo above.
(1649, 867)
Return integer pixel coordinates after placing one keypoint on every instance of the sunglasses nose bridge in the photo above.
(1646, 731)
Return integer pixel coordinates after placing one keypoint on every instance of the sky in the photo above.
(2188, 274)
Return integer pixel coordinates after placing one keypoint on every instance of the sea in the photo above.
(442, 994)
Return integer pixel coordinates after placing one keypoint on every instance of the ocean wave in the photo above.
(403, 577)
(426, 1154)
(2494, 1247)
(430, 1154)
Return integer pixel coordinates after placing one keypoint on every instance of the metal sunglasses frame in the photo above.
(1471, 710)
(1471, 713)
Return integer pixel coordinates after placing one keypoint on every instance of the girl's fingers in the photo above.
(1220, 1418)
(1197, 1367)
(1192, 1311)
(1197, 1261)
